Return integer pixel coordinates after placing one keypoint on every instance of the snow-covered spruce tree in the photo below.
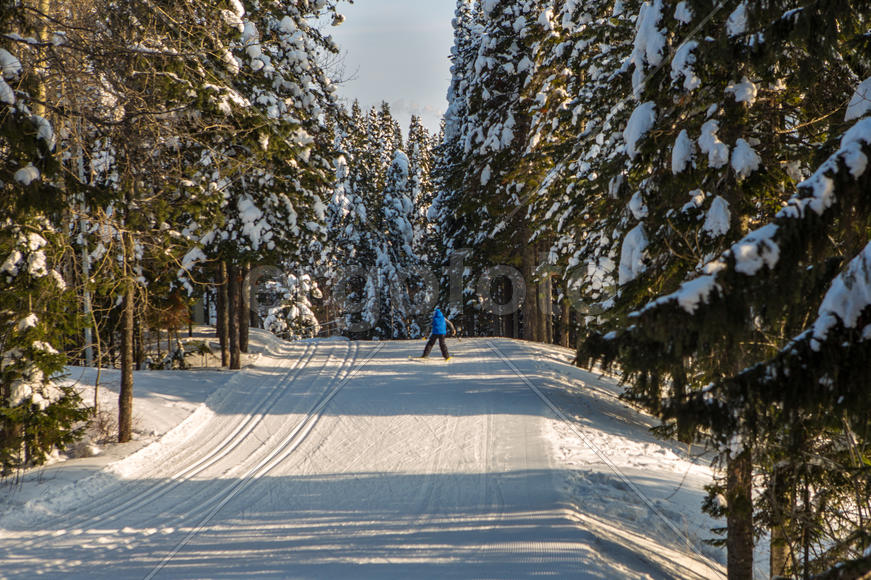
(737, 120)
(37, 414)
(364, 162)
(420, 162)
(273, 167)
(353, 240)
(396, 265)
(801, 410)
(371, 140)
(580, 103)
(286, 306)
(447, 169)
(376, 275)
(479, 206)
(386, 134)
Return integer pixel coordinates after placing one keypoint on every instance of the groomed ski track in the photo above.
(336, 459)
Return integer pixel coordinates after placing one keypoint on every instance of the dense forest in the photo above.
(677, 190)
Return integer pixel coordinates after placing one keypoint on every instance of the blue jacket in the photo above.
(438, 323)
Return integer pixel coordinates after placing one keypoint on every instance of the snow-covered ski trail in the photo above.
(341, 460)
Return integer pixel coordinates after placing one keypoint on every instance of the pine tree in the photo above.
(480, 205)
(396, 264)
(272, 165)
(761, 123)
(353, 239)
(37, 413)
(420, 165)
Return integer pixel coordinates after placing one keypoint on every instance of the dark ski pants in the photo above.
(431, 342)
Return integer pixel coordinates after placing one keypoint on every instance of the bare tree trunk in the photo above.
(565, 321)
(42, 32)
(125, 397)
(113, 355)
(234, 288)
(540, 289)
(739, 495)
(530, 306)
(245, 310)
(546, 308)
(86, 299)
(223, 322)
(779, 562)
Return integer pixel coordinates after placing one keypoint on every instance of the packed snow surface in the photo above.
(338, 459)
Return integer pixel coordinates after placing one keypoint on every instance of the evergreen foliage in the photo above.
(37, 413)
(653, 152)
(377, 225)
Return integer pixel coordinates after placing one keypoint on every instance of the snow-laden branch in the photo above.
(762, 249)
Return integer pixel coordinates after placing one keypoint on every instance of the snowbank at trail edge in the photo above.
(166, 405)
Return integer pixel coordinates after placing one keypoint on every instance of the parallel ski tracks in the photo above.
(602, 456)
(279, 453)
(227, 445)
(230, 443)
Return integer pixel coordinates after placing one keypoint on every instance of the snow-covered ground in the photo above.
(331, 459)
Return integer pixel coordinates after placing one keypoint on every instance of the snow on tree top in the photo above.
(717, 222)
(860, 104)
(682, 153)
(632, 254)
(745, 160)
(683, 13)
(756, 250)
(710, 144)
(649, 46)
(6, 93)
(744, 92)
(27, 175)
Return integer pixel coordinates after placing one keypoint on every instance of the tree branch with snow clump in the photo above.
(762, 248)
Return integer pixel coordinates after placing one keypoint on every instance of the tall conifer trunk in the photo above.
(234, 288)
(44, 7)
(530, 305)
(545, 308)
(565, 322)
(779, 562)
(739, 494)
(245, 309)
(125, 397)
(223, 319)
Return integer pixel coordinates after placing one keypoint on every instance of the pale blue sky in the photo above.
(397, 51)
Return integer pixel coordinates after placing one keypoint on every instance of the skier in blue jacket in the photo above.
(439, 330)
